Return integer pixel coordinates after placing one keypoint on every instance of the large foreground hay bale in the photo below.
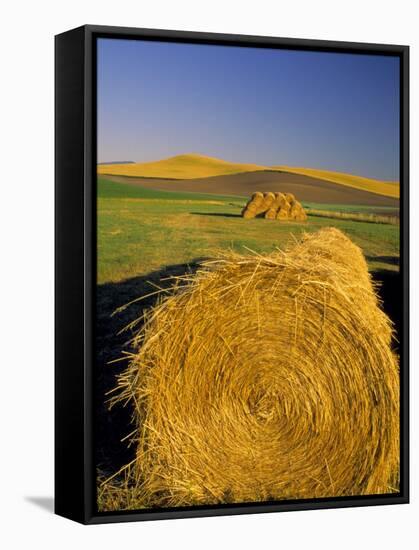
(266, 377)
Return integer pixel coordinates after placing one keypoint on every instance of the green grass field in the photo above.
(145, 237)
(142, 231)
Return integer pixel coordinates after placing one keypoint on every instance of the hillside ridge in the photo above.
(190, 166)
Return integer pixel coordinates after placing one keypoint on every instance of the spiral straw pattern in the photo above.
(265, 378)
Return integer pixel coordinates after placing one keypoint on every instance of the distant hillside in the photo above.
(189, 166)
(386, 188)
(194, 166)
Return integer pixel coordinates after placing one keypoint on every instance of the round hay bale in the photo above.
(270, 214)
(297, 212)
(258, 204)
(282, 214)
(284, 203)
(273, 209)
(248, 213)
(290, 197)
(284, 208)
(253, 205)
(268, 200)
(257, 197)
(266, 378)
(251, 210)
(257, 200)
(279, 197)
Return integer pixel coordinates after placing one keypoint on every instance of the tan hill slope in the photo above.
(386, 188)
(190, 166)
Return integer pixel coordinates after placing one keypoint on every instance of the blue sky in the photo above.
(314, 109)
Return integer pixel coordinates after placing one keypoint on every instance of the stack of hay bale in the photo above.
(274, 206)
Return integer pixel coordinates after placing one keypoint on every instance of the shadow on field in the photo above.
(112, 426)
(390, 292)
(217, 214)
(393, 260)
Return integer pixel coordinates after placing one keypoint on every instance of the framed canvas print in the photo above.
(231, 274)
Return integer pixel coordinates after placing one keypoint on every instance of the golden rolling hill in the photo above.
(190, 166)
(386, 188)
(194, 166)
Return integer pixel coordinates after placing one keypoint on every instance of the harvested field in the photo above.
(304, 187)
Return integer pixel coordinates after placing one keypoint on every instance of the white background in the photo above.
(26, 233)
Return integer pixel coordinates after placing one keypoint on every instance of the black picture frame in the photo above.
(75, 271)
